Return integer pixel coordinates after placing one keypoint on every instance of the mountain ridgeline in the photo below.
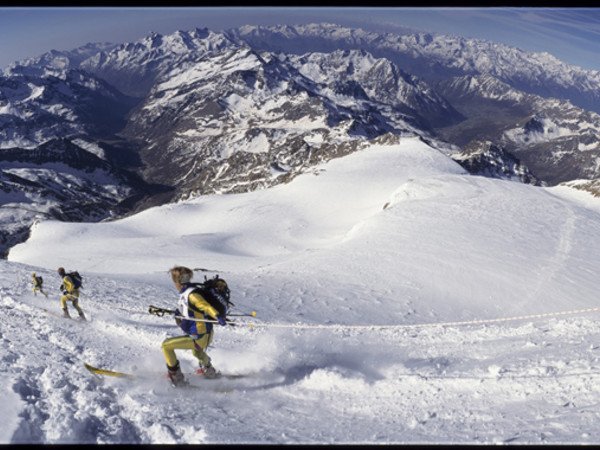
(107, 130)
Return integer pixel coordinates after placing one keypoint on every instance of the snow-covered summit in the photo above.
(134, 67)
(62, 59)
(435, 55)
(250, 108)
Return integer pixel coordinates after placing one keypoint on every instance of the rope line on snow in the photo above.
(405, 326)
(424, 325)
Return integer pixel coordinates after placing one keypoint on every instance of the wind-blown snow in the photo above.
(394, 236)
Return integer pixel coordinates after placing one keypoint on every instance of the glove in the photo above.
(221, 321)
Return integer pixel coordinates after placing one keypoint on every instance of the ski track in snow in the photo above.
(491, 249)
(561, 255)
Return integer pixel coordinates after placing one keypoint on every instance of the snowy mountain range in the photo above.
(437, 56)
(383, 294)
(199, 112)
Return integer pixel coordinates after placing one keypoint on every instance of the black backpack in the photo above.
(77, 280)
(216, 292)
(39, 280)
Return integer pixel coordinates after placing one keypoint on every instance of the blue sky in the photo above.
(570, 34)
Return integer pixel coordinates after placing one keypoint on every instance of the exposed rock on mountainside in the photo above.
(493, 86)
(240, 112)
(484, 158)
(109, 129)
(134, 68)
(59, 180)
(38, 104)
(434, 56)
(591, 186)
(555, 139)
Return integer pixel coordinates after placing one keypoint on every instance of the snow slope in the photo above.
(359, 273)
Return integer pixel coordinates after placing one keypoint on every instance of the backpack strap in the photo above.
(186, 305)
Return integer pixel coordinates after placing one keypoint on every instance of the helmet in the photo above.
(61, 271)
(33, 274)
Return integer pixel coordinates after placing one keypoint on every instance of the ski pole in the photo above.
(159, 311)
(155, 310)
(243, 315)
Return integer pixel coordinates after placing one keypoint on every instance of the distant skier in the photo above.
(70, 289)
(198, 335)
(37, 285)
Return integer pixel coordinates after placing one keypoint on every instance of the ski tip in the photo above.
(88, 367)
(111, 373)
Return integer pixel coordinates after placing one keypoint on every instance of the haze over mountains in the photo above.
(109, 129)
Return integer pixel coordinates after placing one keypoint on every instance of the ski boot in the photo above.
(175, 375)
(82, 317)
(66, 314)
(207, 370)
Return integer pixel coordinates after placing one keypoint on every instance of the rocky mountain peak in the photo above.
(197, 112)
(487, 159)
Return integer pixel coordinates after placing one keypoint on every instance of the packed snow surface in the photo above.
(397, 298)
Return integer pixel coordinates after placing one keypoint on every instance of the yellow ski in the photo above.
(110, 373)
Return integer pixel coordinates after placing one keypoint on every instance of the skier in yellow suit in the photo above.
(37, 285)
(70, 293)
(198, 335)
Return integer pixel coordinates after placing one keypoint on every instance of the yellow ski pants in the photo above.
(72, 298)
(198, 348)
